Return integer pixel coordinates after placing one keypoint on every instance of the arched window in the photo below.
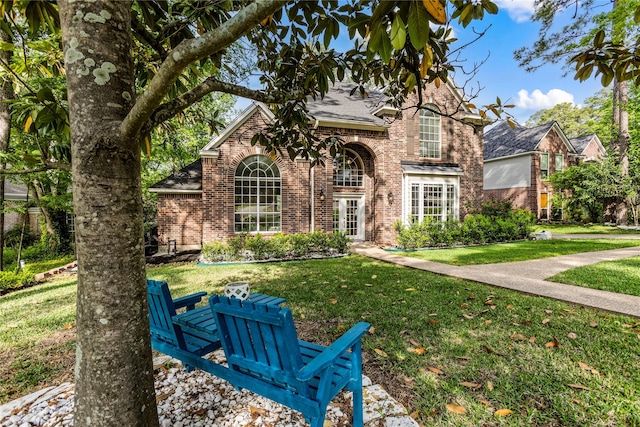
(257, 196)
(348, 170)
(430, 132)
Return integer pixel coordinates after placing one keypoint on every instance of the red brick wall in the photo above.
(180, 218)
(381, 152)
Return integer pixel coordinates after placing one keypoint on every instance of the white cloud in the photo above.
(538, 100)
(518, 10)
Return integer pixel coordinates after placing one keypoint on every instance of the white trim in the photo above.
(173, 191)
(350, 124)
(234, 125)
(409, 179)
(528, 153)
(385, 109)
(563, 138)
(361, 199)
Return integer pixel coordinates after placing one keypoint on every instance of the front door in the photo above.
(348, 215)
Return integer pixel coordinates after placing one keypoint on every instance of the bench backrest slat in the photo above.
(161, 310)
(260, 340)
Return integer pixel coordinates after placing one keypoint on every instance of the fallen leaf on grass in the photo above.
(572, 336)
(418, 350)
(486, 402)
(487, 322)
(588, 368)
(579, 386)
(372, 330)
(463, 357)
(545, 321)
(333, 300)
(548, 311)
(491, 351)
(435, 370)
(468, 316)
(368, 284)
(593, 324)
(554, 343)
(532, 340)
(433, 322)
(415, 343)
(489, 386)
(68, 326)
(456, 409)
(518, 337)
(503, 412)
(374, 276)
(410, 289)
(470, 385)
(380, 352)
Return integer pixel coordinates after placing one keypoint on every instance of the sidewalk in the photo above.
(528, 276)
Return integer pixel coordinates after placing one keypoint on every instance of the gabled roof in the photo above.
(582, 142)
(504, 141)
(186, 180)
(339, 108)
(212, 146)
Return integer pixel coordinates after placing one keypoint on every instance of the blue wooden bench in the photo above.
(265, 356)
(166, 335)
(262, 349)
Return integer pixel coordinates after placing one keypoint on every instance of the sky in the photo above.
(501, 76)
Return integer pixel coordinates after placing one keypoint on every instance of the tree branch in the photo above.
(147, 37)
(48, 165)
(180, 103)
(192, 50)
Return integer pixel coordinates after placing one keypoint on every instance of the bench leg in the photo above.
(356, 383)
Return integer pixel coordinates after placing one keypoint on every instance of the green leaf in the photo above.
(398, 33)
(490, 7)
(6, 46)
(45, 94)
(598, 39)
(418, 23)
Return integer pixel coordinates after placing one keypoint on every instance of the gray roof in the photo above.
(189, 178)
(431, 168)
(502, 140)
(339, 105)
(581, 142)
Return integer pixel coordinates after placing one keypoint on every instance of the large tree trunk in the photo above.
(114, 373)
(621, 143)
(6, 93)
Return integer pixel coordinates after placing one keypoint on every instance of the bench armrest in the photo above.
(330, 354)
(188, 301)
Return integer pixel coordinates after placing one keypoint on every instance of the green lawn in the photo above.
(583, 229)
(517, 251)
(436, 340)
(621, 276)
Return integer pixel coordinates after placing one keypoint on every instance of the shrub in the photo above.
(11, 280)
(278, 246)
(493, 222)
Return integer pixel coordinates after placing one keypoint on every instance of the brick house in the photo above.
(588, 147)
(519, 161)
(396, 164)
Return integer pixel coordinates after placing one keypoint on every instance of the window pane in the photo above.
(257, 196)
(348, 170)
(430, 133)
(559, 162)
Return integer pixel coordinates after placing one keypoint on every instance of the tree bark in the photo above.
(114, 373)
(621, 143)
(6, 93)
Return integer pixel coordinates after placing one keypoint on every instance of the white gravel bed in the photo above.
(197, 399)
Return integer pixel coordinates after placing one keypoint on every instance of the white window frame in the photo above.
(544, 177)
(248, 184)
(448, 185)
(559, 162)
(430, 133)
(348, 161)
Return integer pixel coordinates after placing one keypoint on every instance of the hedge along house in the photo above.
(518, 162)
(404, 165)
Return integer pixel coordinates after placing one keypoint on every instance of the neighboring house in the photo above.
(518, 162)
(15, 196)
(588, 147)
(395, 165)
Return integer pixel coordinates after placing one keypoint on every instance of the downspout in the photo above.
(312, 223)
